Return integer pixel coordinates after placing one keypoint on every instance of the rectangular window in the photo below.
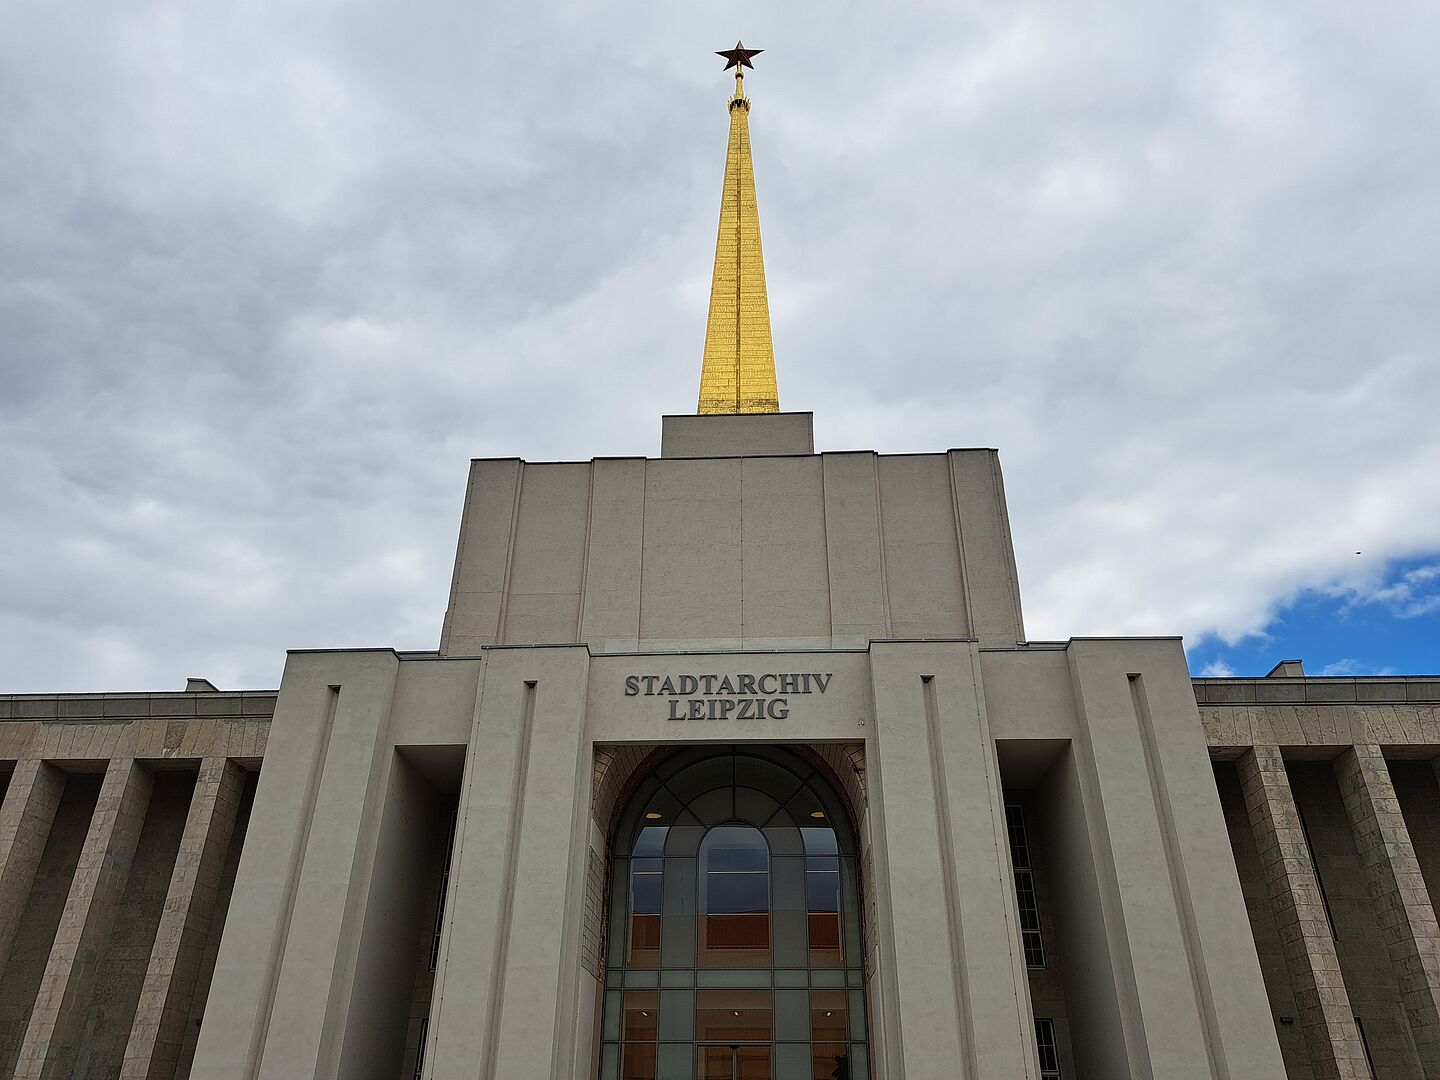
(1365, 1045)
(1045, 1046)
(1031, 939)
(420, 1050)
(1315, 869)
(444, 888)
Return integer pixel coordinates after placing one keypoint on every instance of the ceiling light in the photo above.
(653, 815)
(737, 1012)
(817, 813)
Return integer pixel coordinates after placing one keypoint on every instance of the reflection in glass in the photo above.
(638, 1062)
(734, 898)
(646, 887)
(742, 1062)
(735, 926)
(831, 1061)
(827, 1015)
(642, 1007)
(733, 1016)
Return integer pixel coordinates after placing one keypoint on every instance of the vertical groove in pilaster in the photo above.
(1402, 905)
(1325, 1016)
(940, 787)
(507, 910)
(970, 630)
(85, 924)
(158, 1031)
(25, 819)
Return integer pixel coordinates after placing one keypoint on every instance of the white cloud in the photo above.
(274, 273)
(1216, 669)
(1349, 666)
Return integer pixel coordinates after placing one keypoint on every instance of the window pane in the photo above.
(735, 941)
(827, 1015)
(677, 1016)
(820, 841)
(677, 1061)
(792, 1016)
(822, 887)
(637, 1062)
(737, 894)
(792, 1062)
(642, 1008)
(736, 847)
(644, 941)
(746, 1062)
(651, 840)
(831, 1061)
(825, 951)
(645, 887)
(732, 1016)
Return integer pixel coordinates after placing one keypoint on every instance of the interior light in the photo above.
(644, 1013)
(817, 813)
(653, 815)
(827, 1014)
(737, 1012)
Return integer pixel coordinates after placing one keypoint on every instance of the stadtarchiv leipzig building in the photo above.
(732, 763)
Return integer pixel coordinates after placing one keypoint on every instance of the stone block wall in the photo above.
(121, 822)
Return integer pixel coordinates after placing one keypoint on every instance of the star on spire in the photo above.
(739, 56)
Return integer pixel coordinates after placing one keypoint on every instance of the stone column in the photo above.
(25, 820)
(1402, 905)
(1325, 1015)
(159, 1026)
(85, 924)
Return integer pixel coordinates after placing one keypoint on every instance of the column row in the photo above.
(59, 1029)
(1403, 912)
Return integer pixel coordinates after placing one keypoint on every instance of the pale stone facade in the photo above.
(1070, 858)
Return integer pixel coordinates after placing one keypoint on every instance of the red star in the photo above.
(739, 56)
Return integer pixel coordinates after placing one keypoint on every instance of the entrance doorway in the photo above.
(734, 947)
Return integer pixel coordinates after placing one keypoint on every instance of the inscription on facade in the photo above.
(725, 697)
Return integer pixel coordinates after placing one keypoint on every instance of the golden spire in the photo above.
(738, 373)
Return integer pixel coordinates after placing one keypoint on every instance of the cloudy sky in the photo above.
(271, 273)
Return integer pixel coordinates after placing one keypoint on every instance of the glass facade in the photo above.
(734, 948)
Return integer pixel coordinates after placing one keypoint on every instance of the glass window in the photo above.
(1031, 938)
(830, 1061)
(733, 1016)
(1045, 1047)
(642, 1010)
(736, 896)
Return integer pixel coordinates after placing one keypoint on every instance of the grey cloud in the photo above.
(274, 272)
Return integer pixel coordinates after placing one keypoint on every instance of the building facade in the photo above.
(732, 762)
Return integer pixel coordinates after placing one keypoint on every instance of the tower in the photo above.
(738, 371)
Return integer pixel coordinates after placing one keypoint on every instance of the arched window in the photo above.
(734, 873)
(734, 939)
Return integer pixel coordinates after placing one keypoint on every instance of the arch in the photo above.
(734, 923)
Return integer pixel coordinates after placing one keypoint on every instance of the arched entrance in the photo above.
(735, 946)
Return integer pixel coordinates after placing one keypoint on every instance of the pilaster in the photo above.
(85, 924)
(506, 986)
(158, 1030)
(1324, 1007)
(25, 819)
(1190, 994)
(1402, 905)
(955, 992)
(283, 977)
